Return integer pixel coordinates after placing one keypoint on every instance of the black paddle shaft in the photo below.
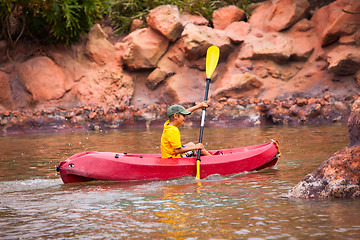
(203, 117)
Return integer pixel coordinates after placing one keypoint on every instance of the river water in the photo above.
(35, 204)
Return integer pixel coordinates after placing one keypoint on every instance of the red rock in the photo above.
(339, 23)
(223, 100)
(5, 91)
(7, 113)
(92, 115)
(237, 31)
(166, 20)
(237, 85)
(223, 17)
(42, 78)
(144, 48)
(344, 60)
(98, 48)
(232, 102)
(311, 111)
(337, 177)
(266, 102)
(277, 46)
(286, 105)
(354, 124)
(195, 19)
(301, 102)
(279, 15)
(242, 103)
(137, 24)
(168, 65)
(295, 110)
(197, 39)
(357, 77)
(327, 96)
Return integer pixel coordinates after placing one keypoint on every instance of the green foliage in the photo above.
(61, 21)
(122, 12)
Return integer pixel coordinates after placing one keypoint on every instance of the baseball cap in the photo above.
(177, 109)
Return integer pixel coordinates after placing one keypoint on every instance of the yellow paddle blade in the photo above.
(212, 58)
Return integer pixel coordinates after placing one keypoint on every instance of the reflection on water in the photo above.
(35, 204)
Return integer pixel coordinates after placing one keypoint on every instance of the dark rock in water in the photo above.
(354, 124)
(338, 176)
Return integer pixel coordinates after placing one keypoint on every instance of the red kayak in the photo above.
(89, 166)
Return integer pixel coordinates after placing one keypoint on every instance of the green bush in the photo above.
(59, 21)
(63, 21)
(122, 12)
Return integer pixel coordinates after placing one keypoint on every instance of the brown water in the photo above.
(35, 204)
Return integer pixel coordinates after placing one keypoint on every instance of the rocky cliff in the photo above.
(286, 64)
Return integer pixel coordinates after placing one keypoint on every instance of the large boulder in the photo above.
(186, 86)
(340, 20)
(42, 78)
(166, 21)
(98, 48)
(338, 176)
(194, 19)
(237, 31)
(197, 39)
(278, 47)
(223, 17)
(168, 66)
(344, 60)
(105, 89)
(5, 91)
(279, 15)
(143, 49)
(236, 85)
(354, 124)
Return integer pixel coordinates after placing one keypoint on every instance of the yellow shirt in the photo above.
(170, 140)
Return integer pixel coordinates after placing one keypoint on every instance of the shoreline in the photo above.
(222, 113)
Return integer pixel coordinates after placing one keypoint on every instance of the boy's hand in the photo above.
(199, 146)
(204, 104)
(199, 106)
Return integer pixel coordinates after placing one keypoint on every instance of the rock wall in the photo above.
(286, 64)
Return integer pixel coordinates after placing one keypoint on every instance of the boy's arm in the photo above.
(198, 106)
(182, 150)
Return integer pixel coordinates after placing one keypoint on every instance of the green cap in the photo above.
(177, 109)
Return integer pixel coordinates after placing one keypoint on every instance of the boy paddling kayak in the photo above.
(171, 146)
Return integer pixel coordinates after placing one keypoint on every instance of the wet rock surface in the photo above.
(339, 175)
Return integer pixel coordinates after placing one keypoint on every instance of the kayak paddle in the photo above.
(212, 58)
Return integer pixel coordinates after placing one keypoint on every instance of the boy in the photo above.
(170, 140)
